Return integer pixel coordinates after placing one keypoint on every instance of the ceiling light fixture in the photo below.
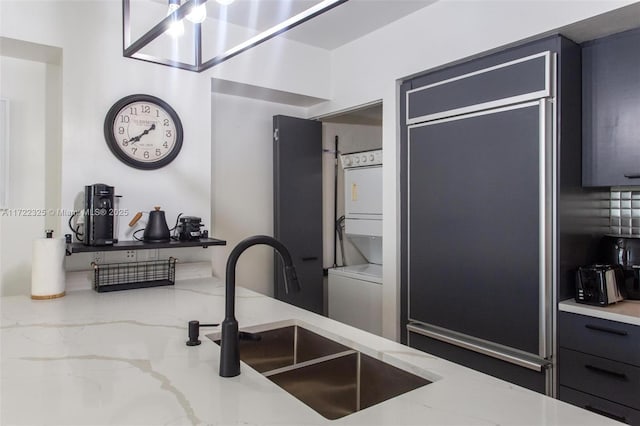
(198, 14)
(176, 29)
(132, 49)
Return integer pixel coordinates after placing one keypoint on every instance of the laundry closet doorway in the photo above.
(352, 204)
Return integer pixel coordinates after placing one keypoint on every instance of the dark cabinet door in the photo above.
(474, 225)
(602, 377)
(297, 202)
(604, 338)
(521, 376)
(611, 110)
(517, 81)
(600, 406)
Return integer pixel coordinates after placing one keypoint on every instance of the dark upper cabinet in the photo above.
(611, 110)
(510, 82)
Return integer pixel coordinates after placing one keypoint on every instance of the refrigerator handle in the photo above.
(538, 366)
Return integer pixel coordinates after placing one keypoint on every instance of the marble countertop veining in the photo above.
(120, 358)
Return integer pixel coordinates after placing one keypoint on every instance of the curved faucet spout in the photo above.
(229, 345)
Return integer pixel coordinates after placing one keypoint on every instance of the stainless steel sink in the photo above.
(331, 378)
(285, 346)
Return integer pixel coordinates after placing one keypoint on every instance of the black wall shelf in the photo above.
(141, 245)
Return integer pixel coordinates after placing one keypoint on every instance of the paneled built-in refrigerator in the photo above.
(481, 218)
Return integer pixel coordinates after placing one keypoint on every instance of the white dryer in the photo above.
(355, 291)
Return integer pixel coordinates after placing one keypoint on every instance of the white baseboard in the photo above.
(83, 280)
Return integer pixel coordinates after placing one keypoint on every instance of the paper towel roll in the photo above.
(47, 271)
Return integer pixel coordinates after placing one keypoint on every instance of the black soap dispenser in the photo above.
(156, 230)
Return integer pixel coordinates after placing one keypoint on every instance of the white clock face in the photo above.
(144, 131)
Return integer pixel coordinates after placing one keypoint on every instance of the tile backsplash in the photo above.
(624, 211)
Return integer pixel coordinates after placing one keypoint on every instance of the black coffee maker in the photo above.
(624, 251)
(98, 215)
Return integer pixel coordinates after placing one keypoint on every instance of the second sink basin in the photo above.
(331, 378)
(285, 346)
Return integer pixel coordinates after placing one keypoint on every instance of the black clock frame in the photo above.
(113, 145)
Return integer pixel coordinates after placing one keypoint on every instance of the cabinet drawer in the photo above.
(494, 367)
(516, 81)
(608, 379)
(608, 339)
(600, 406)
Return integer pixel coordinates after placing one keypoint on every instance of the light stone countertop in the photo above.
(120, 358)
(626, 311)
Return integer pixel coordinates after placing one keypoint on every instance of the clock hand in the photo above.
(137, 138)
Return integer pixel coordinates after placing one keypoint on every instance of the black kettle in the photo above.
(156, 230)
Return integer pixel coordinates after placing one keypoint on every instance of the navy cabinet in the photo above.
(599, 366)
(511, 82)
(611, 110)
(492, 366)
(472, 203)
(600, 406)
(607, 339)
(482, 143)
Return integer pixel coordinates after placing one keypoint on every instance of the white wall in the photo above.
(94, 76)
(369, 68)
(53, 146)
(23, 83)
(242, 182)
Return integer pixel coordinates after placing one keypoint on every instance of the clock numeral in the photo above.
(146, 109)
(124, 118)
(125, 142)
(166, 121)
(133, 111)
(158, 113)
(134, 150)
(121, 130)
(168, 133)
(158, 152)
(166, 144)
(146, 154)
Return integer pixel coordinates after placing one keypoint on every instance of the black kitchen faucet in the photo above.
(229, 350)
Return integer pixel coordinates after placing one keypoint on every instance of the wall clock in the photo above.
(143, 131)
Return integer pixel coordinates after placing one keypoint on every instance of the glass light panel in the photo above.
(227, 30)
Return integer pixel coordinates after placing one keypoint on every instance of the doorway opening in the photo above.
(352, 216)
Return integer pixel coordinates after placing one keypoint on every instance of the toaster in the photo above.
(599, 284)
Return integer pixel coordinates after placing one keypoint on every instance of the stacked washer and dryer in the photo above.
(355, 291)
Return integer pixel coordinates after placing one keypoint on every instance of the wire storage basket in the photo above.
(125, 276)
